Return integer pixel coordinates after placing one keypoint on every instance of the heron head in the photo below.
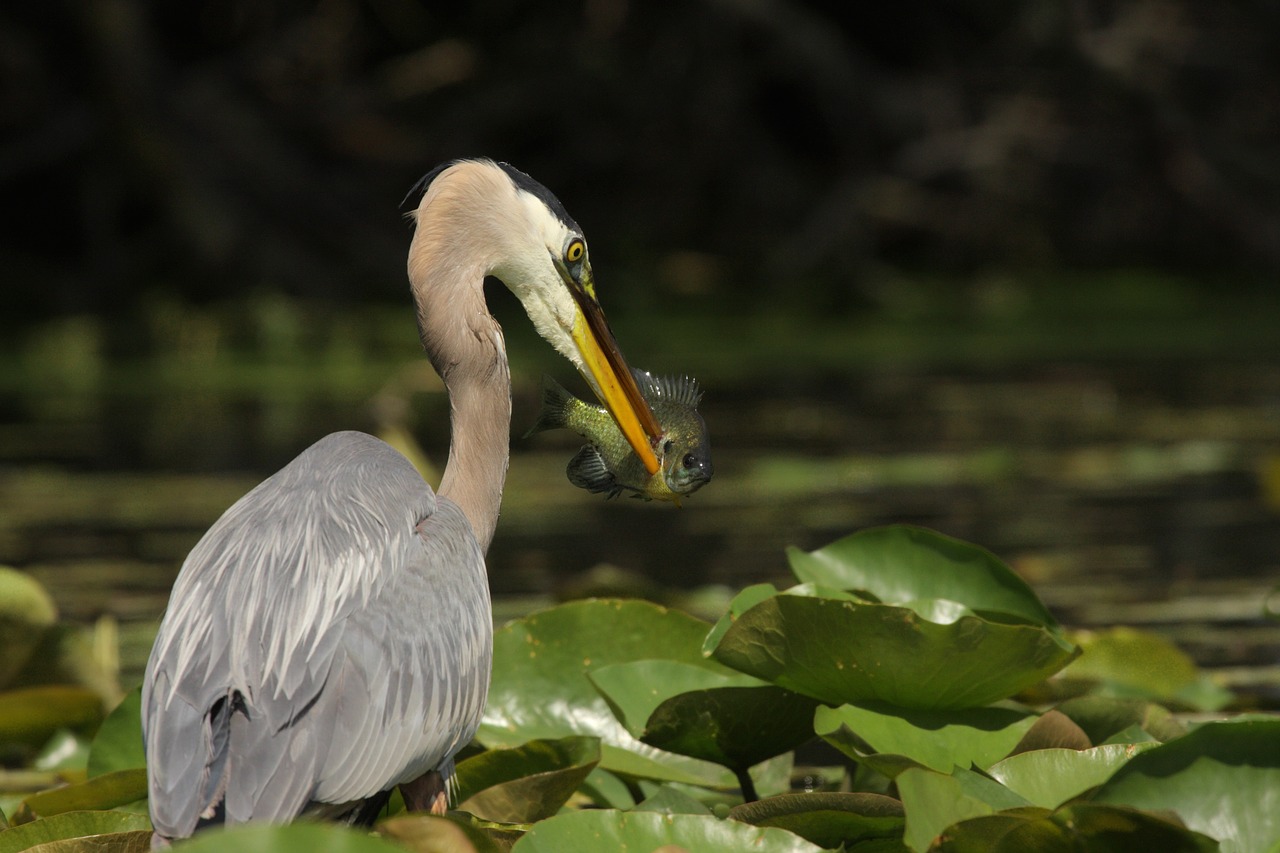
(495, 220)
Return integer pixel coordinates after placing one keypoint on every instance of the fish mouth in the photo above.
(690, 484)
(610, 377)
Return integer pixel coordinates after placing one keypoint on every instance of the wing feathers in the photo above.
(349, 610)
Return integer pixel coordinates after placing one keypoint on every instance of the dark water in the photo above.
(1143, 493)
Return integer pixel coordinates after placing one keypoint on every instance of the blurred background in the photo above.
(1006, 270)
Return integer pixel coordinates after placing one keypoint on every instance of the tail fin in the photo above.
(555, 404)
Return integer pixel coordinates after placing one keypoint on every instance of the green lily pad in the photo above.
(1050, 777)
(606, 790)
(1128, 662)
(883, 738)
(605, 829)
(1102, 718)
(671, 800)
(933, 801)
(842, 651)
(1222, 779)
(72, 825)
(26, 611)
(1083, 826)
(118, 743)
(901, 563)
(540, 687)
(422, 833)
(525, 783)
(103, 792)
(31, 715)
(739, 604)
(291, 838)
(727, 717)
(828, 819)
(1054, 730)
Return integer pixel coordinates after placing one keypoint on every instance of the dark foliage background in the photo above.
(725, 146)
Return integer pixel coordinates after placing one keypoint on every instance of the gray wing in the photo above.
(328, 638)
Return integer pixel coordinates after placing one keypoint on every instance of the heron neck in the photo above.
(479, 448)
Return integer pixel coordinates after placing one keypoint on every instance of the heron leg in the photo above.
(427, 793)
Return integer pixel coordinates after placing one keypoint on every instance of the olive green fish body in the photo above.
(608, 464)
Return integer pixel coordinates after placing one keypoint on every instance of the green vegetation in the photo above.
(951, 711)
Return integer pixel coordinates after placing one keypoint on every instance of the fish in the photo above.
(608, 465)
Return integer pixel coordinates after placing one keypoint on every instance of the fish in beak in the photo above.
(607, 371)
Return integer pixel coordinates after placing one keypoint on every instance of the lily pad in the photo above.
(842, 651)
(1128, 662)
(1084, 826)
(540, 687)
(605, 829)
(103, 792)
(525, 783)
(730, 718)
(26, 611)
(933, 801)
(422, 833)
(31, 715)
(901, 563)
(938, 740)
(828, 819)
(1222, 779)
(72, 825)
(118, 743)
(292, 838)
(1054, 730)
(671, 800)
(1050, 777)
(1102, 718)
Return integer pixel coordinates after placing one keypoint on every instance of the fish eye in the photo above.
(575, 251)
(690, 461)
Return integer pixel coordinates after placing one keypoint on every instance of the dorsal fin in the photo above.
(681, 390)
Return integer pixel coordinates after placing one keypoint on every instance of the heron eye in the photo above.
(575, 251)
(690, 461)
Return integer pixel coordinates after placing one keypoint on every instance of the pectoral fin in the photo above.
(587, 470)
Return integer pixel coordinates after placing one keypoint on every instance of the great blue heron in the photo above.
(331, 636)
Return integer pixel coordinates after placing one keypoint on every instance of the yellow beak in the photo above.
(610, 376)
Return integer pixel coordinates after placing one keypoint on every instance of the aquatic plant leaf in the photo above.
(423, 833)
(103, 792)
(938, 740)
(1222, 779)
(290, 838)
(1050, 777)
(540, 687)
(526, 783)
(80, 824)
(1144, 663)
(670, 800)
(26, 611)
(933, 801)
(727, 717)
(901, 563)
(607, 790)
(118, 743)
(739, 604)
(837, 650)
(1103, 718)
(1054, 730)
(30, 715)
(1083, 826)
(828, 819)
(606, 829)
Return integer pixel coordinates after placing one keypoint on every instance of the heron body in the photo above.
(330, 637)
